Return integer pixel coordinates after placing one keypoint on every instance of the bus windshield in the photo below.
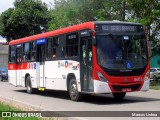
(121, 52)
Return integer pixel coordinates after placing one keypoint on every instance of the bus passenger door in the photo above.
(18, 66)
(41, 62)
(86, 65)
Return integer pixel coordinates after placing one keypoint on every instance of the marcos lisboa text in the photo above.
(144, 114)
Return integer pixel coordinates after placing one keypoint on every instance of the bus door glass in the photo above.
(41, 62)
(86, 65)
(18, 65)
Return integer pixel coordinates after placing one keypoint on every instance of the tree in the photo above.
(70, 12)
(147, 12)
(113, 10)
(6, 30)
(27, 18)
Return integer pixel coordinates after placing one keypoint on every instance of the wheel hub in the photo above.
(74, 90)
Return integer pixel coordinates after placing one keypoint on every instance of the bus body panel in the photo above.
(56, 73)
(12, 74)
(53, 76)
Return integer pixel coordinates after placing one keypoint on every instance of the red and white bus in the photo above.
(92, 57)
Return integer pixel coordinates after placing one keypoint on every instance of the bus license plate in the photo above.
(126, 90)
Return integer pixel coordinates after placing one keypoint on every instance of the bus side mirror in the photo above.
(94, 41)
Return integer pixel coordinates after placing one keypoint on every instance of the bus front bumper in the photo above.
(104, 87)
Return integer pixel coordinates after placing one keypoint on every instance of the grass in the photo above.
(7, 108)
(155, 85)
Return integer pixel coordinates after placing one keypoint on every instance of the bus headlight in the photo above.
(101, 77)
(147, 76)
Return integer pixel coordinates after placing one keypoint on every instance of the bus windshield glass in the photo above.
(121, 52)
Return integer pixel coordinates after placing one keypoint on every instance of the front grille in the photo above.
(132, 87)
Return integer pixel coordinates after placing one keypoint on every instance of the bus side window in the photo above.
(33, 51)
(26, 52)
(51, 48)
(54, 53)
(19, 54)
(12, 54)
(72, 45)
(48, 49)
(55, 45)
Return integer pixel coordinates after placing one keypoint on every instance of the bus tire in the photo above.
(73, 91)
(119, 96)
(29, 88)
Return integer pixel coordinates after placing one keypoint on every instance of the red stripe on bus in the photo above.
(21, 66)
(55, 32)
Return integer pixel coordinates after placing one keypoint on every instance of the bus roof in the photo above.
(54, 33)
(69, 29)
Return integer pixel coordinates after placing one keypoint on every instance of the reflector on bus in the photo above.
(41, 41)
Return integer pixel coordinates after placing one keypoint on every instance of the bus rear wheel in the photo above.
(30, 90)
(73, 91)
(119, 96)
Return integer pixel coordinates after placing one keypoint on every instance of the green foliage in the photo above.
(146, 12)
(70, 12)
(155, 85)
(5, 27)
(112, 10)
(4, 107)
(25, 19)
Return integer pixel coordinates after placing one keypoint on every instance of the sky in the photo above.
(5, 4)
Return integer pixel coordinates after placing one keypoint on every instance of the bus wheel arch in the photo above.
(28, 85)
(73, 88)
(27, 74)
(69, 77)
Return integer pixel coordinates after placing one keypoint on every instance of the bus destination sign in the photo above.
(119, 28)
(41, 41)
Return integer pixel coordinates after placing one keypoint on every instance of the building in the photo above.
(3, 52)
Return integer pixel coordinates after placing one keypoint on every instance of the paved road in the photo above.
(59, 101)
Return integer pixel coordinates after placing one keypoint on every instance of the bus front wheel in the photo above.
(119, 96)
(73, 91)
(29, 85)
